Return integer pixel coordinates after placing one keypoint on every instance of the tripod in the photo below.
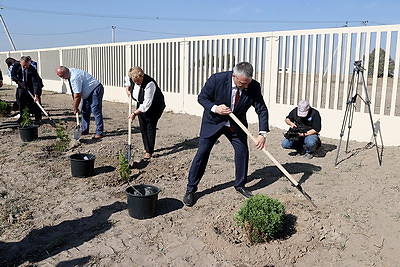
(351, 106)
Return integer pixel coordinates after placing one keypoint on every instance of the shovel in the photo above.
(51, 122)
(283, 170)
(129, 148)
(78, 131)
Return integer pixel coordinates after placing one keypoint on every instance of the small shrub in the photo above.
(262, 217)
(26, 119)
(5, 108)
(62, 138)
(124, 170)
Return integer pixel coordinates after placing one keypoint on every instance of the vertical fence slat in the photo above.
(395, 78)
(321, 72)
(260, 52)
(375, 73)
(297, 73)
(290, 72)
(385, 73)
(305, 66)
(329, 72)
(346, 68)
(338, 52)
(313, 68)
(282, 72)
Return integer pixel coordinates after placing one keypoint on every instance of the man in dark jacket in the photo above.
(28, 83)
(305, 125)
(222, 94)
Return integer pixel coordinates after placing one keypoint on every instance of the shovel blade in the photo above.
(52, 123)
(129, 153)
(307, 196)
(78, 133)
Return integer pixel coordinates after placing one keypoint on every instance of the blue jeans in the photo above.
(309, 142)
(93, 104)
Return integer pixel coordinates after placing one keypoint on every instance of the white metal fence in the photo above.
(316, 65)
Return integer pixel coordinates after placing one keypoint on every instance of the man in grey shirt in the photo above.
(88, 89)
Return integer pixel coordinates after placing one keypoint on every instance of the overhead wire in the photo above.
(170, 18)
(157, 18)
(64, 33)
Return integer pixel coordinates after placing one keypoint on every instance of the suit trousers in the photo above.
(205, 146)
(25, 100)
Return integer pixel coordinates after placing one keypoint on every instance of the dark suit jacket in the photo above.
(217, 91)
(33, 81)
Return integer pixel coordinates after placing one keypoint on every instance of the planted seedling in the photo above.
(62, 138)
(124, 170)
(5, 108)
(26, 119)
(262, 218)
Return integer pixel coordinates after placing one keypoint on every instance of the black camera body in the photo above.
(358, 65)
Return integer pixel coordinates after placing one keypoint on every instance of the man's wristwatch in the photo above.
(263, 135)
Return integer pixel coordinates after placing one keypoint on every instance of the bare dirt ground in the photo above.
(49, 218)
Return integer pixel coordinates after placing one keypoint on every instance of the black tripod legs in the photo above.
(350, 109)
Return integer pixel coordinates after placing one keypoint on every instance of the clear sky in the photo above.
(50, 23)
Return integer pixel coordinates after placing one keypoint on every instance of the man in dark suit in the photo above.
(27, 78)
(225, 92)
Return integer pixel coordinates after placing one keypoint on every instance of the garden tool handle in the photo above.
(283, 170)
(40, 106)
(130, 121)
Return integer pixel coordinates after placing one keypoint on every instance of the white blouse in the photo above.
(149, 91)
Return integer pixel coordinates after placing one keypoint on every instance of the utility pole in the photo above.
(113, 34)
(8, 34)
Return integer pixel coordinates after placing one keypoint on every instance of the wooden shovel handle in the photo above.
(130, 121)
(283, 170)
(40, 106)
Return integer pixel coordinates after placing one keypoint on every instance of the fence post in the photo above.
(271, 68)
(184, 70)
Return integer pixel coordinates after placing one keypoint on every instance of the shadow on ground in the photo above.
(48, 241)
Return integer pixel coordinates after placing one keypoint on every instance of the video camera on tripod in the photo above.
(358, 65)
(352, 96)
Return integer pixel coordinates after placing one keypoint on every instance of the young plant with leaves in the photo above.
(124, 170)
(262, 217)
(62, 138)
(26, 119)
(5, 108)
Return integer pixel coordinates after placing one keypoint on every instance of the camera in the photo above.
(358, 65)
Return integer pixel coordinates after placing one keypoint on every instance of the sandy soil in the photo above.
(49, 218)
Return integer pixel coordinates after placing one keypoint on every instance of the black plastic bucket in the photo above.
(82, 165)
(28, 133)
(142, 201)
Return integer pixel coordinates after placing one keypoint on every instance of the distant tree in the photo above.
(381, 63)
(210, 59)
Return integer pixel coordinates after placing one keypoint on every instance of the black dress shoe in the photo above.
(244, 192)
(188, 199)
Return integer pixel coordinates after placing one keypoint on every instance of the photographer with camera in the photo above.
(305, 125)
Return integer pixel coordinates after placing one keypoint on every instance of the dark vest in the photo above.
(158, 103)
